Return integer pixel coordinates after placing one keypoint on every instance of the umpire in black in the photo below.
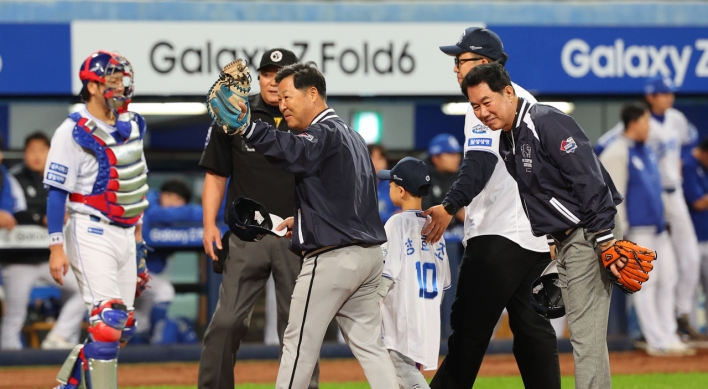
(502, 257)
(249, 264)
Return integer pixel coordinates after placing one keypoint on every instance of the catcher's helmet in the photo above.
(250, 221)
(103, 63)
(546, 297)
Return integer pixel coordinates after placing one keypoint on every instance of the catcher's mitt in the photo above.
(635, 271)
(232, 87)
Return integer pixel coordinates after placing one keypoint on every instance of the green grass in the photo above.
(638, 381)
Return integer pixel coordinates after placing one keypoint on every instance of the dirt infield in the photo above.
(342, 370)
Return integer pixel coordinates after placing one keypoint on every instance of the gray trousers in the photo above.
(409, 377)
(246, 271)
(340, 283)
(586, 291)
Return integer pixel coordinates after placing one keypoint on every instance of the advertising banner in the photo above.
(35, 59)
(605, 60)
(358, 59)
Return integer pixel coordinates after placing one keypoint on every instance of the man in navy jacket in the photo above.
(568, 196)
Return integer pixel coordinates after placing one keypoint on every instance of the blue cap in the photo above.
(479, 41)
(659, 84)
(410, 173)
(443, 143)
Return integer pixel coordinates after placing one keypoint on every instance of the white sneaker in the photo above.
(678, 349)
(55, 342)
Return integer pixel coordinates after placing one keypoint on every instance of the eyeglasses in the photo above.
(459, 62)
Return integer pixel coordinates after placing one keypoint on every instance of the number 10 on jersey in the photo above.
(423, 270)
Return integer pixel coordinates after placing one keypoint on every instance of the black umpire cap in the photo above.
(277, 57)
(479, 41)
(250, 221)
(410, 173)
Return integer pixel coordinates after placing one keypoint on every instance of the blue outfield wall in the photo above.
(605, 13)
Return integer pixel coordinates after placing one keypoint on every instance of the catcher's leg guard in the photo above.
(93, 365)
(130, 327)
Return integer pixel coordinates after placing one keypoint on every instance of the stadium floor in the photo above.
(337, 372)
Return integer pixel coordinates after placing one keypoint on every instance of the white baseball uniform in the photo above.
(102, 254)
(666, 139)
(420, 272)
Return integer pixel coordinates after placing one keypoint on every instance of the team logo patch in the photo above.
(58, 168)
(526, 151)
(484, 142)
(480, 129)
(96, 231)
(56, 178)
(276, 56)
(569, 145)
(307, 136)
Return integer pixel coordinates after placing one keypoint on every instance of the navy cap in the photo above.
(277, 57)
(659, 84)
(443, 143)
(250, 221)
(410, 173)
(479, 41)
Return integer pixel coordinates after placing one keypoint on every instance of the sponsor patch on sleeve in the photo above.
(479, 142)
(56, 177)
(569, 145)
(58, 168)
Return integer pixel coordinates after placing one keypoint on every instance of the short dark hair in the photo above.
(632, 112)
(178, 187)
(305, 75)
(85, 95)
(37, 135)
(493, 74)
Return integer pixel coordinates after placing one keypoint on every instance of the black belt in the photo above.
(560, 236)
(669, 190)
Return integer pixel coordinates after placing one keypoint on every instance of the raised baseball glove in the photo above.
(232, 87)
(636, 271)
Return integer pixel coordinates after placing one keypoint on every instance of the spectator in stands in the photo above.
(634, 170)
(23, 267)
(380, 161)
(695, 190)
(444, 159)
(170, 207)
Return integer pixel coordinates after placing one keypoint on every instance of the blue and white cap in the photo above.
(410, 173)
(659, 84)
(443, 143)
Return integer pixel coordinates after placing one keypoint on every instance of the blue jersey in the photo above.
(634, 170)
(7, 201)
(695, 186)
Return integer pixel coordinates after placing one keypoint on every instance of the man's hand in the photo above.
(7, 221)
(212, 235)
(617, 265)
(58, 263)
(287, 223)
(439, 222)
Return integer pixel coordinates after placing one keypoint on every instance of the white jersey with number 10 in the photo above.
(420, 272)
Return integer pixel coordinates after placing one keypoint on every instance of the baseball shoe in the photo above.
(56, 342)
(678, 349)
(687, 332)
(640, 344)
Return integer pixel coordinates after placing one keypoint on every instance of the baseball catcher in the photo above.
(227, 99)
(633, 263)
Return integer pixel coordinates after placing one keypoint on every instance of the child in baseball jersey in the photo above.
(414, 277)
